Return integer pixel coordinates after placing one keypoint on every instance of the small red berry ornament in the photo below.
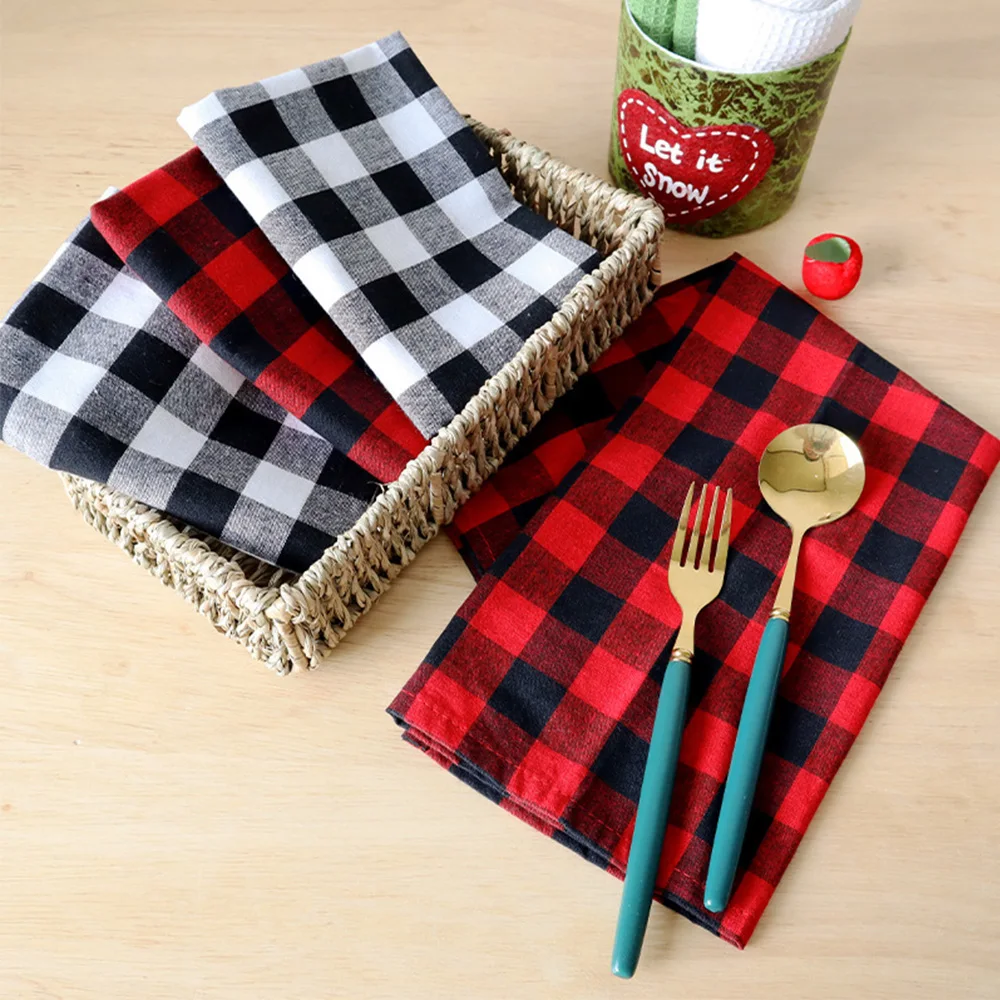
(831, 265)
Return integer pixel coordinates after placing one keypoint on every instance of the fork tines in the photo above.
(695, 541)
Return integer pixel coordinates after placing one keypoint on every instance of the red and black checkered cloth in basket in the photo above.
(189, 238)
(541, 691)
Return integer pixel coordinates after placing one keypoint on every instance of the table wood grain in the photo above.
(177, 822)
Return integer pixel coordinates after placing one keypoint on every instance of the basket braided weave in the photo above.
(290, 621)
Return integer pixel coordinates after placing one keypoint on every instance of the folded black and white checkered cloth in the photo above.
(99, 378)
(390, 210)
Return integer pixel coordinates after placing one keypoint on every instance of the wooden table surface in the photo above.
(177, 822)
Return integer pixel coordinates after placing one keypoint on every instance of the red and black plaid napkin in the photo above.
(189, 238)
(542, 690)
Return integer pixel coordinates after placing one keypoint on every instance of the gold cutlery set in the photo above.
(809, 475)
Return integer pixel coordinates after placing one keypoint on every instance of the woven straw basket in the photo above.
(291, 621)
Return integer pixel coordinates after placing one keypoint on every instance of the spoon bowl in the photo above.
(810, 475)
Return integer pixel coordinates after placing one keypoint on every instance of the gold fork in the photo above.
(695, 580)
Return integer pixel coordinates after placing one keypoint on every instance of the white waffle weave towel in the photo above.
(759, 36)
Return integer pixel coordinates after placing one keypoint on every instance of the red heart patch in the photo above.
(692, 173)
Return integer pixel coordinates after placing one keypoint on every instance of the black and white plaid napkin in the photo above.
(390, 210)
(99, 378)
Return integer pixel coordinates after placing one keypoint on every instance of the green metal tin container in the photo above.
(723, 153)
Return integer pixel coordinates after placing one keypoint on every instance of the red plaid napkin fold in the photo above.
(189, 238)
(541, 692)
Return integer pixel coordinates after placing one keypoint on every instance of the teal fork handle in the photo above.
(651, 819)
(745, 765)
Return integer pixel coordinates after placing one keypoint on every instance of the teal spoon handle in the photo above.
(745, 765)
(651, 818)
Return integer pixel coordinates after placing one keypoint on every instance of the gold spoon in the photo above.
(810, 475)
